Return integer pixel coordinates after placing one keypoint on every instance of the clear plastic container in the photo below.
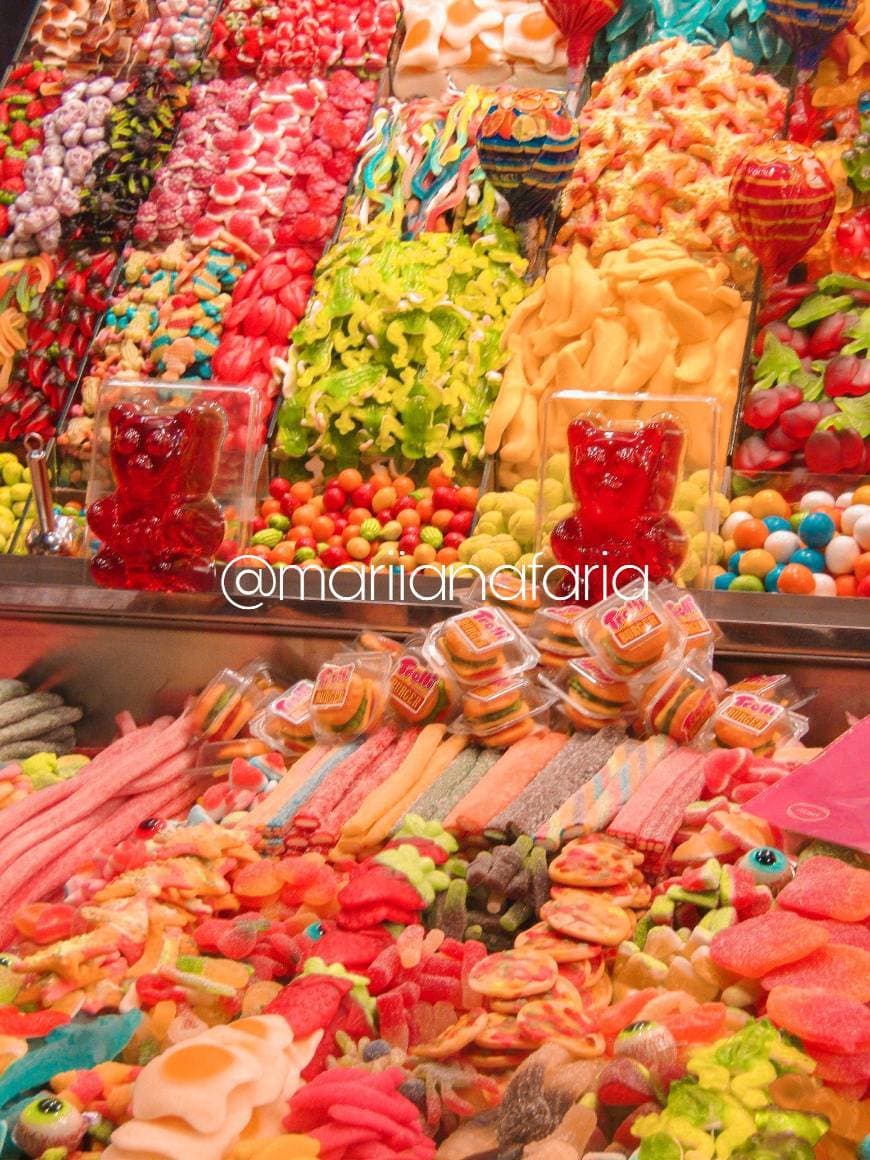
(223, 752)
(420, 693)
(745, 720)
(589, 697)
(776, 687)
(504, 711)
(480, 646)
(632, 636)
(369, 641)
(701, 634)
(554, 633)
(285, 724)
(227, 703)
(350, 695)
(678, 704)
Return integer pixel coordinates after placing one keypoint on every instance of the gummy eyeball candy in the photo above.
(149, 827)
(768, 866)
(49, 1122)
(10, 979)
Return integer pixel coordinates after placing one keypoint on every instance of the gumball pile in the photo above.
(811, 380)
(29, 95)
(311, 36)
(385, 519)
(821, 548)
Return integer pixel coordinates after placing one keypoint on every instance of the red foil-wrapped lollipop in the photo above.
(579, 21)
(782, 199)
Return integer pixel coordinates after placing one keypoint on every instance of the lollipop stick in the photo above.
(529, 234)
(576, 88)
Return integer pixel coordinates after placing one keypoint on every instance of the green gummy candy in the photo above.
(706, 899)
(719, 919)
(662, 910)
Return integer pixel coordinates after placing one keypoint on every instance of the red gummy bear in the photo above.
(161, 526)
(623, 477)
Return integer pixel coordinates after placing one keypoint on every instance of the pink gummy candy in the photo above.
(825, 887)
(841, 969)
(821, 1018)
(756, 946)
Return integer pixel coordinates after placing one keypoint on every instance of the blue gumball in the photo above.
(734, 562)
(771, 578)
(724, 581)
(864, 1149)
(777, 524)
(810, 558)
(816, 530)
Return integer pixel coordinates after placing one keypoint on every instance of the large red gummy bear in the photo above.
(623, 476)
(161, 526)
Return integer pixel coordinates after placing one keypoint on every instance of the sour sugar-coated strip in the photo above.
(24, 810)
(281, 820)
(343, 777)
(328, 831)
(596, 804)
(578, 761)
(430, 771)
(395, 787)
(507, 778)
(295, 776)
(454, 775)
(652, 815)
(88, 792)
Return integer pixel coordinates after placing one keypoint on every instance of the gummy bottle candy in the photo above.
(623, 476)
(161, 526)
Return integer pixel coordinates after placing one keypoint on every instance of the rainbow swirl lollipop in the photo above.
(809, 26)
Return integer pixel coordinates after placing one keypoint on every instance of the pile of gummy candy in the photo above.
(368, 937)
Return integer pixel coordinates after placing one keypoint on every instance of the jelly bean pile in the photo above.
(665, 980)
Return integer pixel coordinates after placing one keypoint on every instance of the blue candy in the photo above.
(816, 530)
(810, 558)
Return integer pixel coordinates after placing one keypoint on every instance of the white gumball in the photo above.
(844, 500)
(851, 516)
(825, 585)
(782, 545)
(841, 554)
(861, 532)
(731, 522)
(816, 499)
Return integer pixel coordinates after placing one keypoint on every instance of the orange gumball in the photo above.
(862, 567)
(796, 580)
(322, 527)
(437, 477)
(769, 502)
(303, 490)
(447, 556)
(750, 534)
(846, 585)
(409, 518)
(835, 513)
(861, 494)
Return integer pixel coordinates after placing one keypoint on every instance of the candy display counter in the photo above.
(148, 651)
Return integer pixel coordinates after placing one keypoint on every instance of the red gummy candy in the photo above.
(825, 887)
(835, 1067)
(702, 1024)
(30, 1024)
(756, 946)
(841, 969)
(821, 1018)
(852, 934)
